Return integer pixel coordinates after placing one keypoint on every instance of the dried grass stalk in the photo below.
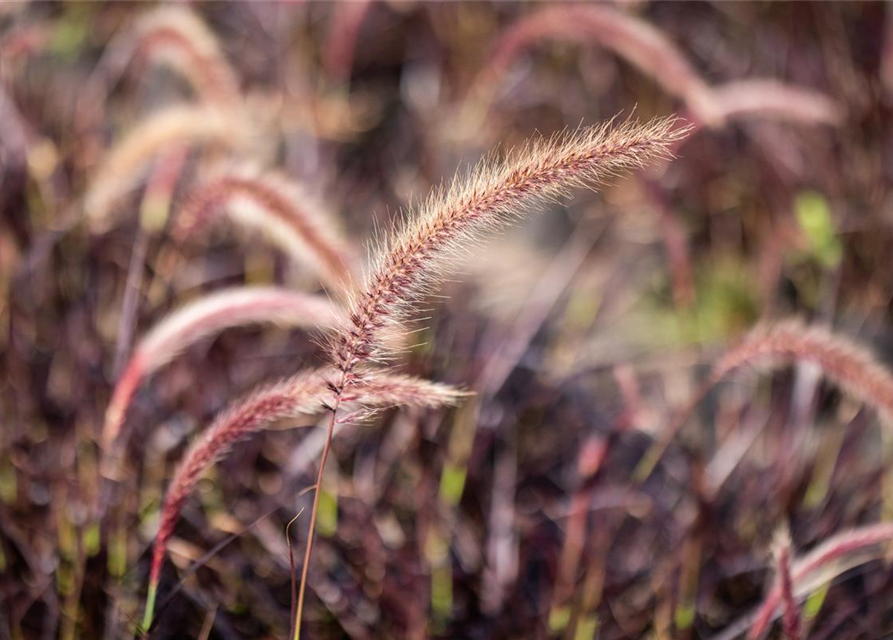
(277, 206)
(421, 248)
(791, 613)
(300, 395)
(127, 161)
(209, 315)
(634, 40)
(342, 39)
(832, 549)
(848, 365)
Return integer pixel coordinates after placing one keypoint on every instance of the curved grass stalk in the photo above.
(775, 100)
(631, 38)
(277, 206)
(179, 38)
(846, 364)
(834, 548)
(210, 315)
(127, 161)
(648, 49)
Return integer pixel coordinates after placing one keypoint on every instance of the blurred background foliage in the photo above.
(581, 332)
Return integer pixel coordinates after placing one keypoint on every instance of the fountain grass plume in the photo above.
(301, 395)
(379, 388)
(423, 246)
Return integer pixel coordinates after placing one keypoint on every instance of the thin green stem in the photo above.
(150, 608)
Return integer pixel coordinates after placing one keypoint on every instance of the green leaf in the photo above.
(452, 483)
(815, 601)
(814, 217)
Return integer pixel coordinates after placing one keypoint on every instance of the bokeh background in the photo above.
(524, 512)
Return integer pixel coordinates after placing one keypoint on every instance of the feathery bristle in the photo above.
(211, 314)
(128, 159)
(278, 207)
(417, 255)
